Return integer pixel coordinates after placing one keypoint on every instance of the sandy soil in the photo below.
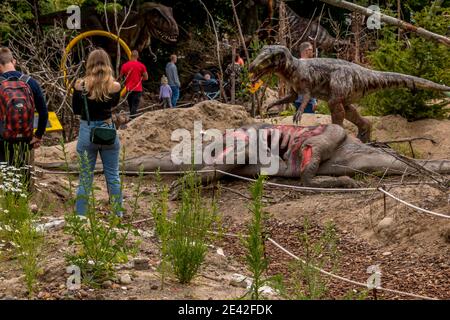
(413, 250)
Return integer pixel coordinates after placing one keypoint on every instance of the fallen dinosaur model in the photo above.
(303, 152)
(336, 81)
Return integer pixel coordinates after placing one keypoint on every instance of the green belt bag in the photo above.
(100, 135)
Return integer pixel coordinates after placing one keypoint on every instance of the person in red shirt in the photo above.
(239, 60)
(134, 72)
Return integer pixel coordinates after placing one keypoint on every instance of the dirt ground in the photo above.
(412, 250)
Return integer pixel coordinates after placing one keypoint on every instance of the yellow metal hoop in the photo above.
(86, 35)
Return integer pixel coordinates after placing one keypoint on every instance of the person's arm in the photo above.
(77, 98)
(177, 80)
(314, 104)
(115, 95)
(41, 108)
(160, 92)
(170, 73)
(144, 73)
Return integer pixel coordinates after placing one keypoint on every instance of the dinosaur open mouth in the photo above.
(256, 75)
(165, 37)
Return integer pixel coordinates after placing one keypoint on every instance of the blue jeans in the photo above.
(175, 95)
(109, 154)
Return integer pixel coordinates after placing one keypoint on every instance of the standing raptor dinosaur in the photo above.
(151, 20)
(303, 152)
(337, 81)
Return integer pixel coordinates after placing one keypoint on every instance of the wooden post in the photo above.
(282, 41)
(233, 73)
(391, 20)
(399, 16)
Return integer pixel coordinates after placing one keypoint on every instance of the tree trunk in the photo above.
(391, 20)
(233, 74)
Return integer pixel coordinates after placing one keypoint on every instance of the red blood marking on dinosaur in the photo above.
(307, 154)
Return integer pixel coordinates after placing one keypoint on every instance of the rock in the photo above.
(125, 279)
(107, 284)
(9, 298)
(240, 281)
(154, 287)
(124, 288)
(34, 208)
(141, 264)
(43, 295)
(385, 223)
(146, 234)
(55, 225)
(83, 294)
(220, 252)
(386, 253)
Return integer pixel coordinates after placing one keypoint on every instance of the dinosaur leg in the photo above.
(337, 111)
(318, 149)
(364, 126)
(287, 99)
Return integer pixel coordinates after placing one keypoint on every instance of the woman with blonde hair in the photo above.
(94, 96)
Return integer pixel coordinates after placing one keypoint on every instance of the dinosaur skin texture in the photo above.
(320, 156)
(336, 81)
(151, 20)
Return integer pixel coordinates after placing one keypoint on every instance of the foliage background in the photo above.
(196, 46)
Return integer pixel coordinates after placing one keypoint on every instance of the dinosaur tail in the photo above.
(355, 157)
(388, 80)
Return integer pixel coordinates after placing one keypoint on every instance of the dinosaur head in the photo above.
(160, 21)
(270, 59)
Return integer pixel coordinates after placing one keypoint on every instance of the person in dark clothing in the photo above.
(16, 152)
(103, 94)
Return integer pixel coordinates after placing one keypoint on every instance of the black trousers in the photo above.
(133, 99)
(17, 154)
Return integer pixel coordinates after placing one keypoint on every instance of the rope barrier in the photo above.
(346, 279)
(299, 187)
(270, 184)
(327, 273)
(413, 206)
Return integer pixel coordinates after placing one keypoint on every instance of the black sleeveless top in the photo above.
(98, 110)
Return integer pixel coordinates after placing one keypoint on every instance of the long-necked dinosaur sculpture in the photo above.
(336, 81)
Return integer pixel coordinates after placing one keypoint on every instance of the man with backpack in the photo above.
(20, 96)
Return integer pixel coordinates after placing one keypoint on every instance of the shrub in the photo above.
(187, 245)
(101, 244)
(418, 57)
(18, 223)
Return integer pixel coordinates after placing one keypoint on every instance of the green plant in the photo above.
(322, 107)
(415, 56)
(187, 246)
(67, 169)
(18, 223)
(159, 210)
(257, 262)
(307, 281)
(101, 244)
(28, 242)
